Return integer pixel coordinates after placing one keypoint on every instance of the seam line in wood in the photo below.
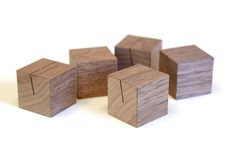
(148, 70)
(45, 67)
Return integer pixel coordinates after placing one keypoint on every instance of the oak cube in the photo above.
(138, 94)
(46, 87)
(190, 70)
(138, 50)
(93, 66)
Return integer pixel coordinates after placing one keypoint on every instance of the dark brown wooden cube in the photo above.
(138, 50)
(138, 94)
(46, 87)
(190, 70)
(93, 66)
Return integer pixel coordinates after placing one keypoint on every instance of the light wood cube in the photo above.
(138, 50)
(190, 70)
(46, 87)
(138, 94)
(93, 66)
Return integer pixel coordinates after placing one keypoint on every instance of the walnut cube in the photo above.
(46, 87)
(190, 70)
(138, 94)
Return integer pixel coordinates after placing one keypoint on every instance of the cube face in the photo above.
(150, 104)
(36, 97)
(190, 71)
(197, 81)
(63, 91)
(134, 50)
(122, 100)
(92, 78)
(93, 66)
(138, 95)
(43, 87)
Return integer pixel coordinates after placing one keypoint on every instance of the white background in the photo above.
(199, 126)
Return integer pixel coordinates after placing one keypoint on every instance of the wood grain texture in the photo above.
(134, 50)
(190, 70)
(46, 87)
(138, 94)
(93, 66)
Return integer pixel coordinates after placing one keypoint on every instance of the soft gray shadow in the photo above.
(8, 92)
(172, 109)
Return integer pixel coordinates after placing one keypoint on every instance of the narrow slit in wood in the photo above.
(31, 80)
(121, 89)
(32, 84)
(130, 52)
(131, 58)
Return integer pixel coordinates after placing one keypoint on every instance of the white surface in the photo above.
(199, 126)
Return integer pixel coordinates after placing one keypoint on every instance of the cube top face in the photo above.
(128, 42)
(91, 54)
(139, 43)
(46, 87)
(45, 68)
(186, 54)
(139, 75)
(138, 94)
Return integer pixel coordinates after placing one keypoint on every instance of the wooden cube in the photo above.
(138, 94)
(93, 66)
(138, 50)
(190, 70)
(46, 87)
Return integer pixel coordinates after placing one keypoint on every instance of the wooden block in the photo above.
(138, 94)
(138, 50)
(93, 66)
(46, 87)
(190, 70)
